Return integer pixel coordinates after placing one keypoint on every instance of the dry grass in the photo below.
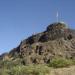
(63, 71)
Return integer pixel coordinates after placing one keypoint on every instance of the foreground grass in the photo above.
(26, 70)
(16, 68)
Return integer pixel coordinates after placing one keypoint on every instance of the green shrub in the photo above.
(59, 62)
(30, 70)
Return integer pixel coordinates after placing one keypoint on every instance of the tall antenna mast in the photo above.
(57, 15)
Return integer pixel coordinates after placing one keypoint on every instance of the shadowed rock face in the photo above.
(56, 41)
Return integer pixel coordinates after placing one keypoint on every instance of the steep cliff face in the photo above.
(56, 41)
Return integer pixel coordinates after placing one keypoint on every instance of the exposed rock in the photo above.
(57, 41)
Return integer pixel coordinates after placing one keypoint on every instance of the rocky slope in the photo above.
(56, 41)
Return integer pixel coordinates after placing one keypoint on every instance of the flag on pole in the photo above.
(57, 16)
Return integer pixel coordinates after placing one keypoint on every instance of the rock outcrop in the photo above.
(56, 41)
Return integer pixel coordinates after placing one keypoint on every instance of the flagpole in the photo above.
(57, 15)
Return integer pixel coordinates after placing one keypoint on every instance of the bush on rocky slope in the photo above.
(59, 62)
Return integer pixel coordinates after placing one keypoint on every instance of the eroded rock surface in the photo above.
(56, 41)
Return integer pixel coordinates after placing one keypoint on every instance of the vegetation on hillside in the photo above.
(17, 68)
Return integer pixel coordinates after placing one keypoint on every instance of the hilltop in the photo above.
(56, 41)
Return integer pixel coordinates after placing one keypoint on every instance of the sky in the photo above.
(20, 19)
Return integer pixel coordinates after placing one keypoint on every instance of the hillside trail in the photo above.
(63, 71)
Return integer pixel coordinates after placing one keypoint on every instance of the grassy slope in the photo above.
(55, 67)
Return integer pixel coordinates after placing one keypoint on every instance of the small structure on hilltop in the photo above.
(57, 25)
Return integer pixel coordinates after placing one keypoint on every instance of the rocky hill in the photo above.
(56, 41)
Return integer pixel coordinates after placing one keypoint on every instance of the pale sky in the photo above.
(19, 19)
